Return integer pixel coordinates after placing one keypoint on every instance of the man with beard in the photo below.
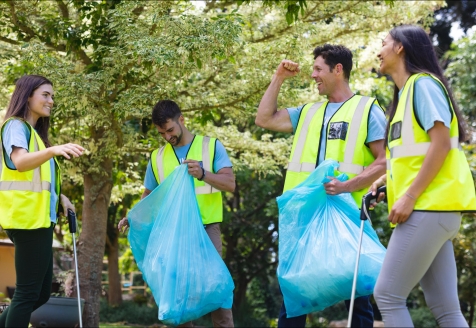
(207, 162)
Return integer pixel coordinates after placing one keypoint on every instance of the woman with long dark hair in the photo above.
(30, 193)
(428, 179)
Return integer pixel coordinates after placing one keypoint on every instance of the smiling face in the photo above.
(324, 76)
(172, 131)
(41, 102)
(389, 55)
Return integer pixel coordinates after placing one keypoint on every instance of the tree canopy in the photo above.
(110, 61)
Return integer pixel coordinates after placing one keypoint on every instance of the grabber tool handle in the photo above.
(71, 221)
(368, 198)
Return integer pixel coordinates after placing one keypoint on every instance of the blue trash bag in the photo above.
(187, 276)
(318, 244)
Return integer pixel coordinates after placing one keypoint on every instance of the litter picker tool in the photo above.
(72, 230)
(364, 215)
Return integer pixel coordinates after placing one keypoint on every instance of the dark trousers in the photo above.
(34, 273)
(363, 315)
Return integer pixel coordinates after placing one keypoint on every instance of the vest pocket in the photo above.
(396, 131)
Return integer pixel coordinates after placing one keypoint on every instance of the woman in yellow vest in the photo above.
(429, 183)
(30, 193)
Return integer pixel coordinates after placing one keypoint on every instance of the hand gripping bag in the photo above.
(318, 244)
(187, 276)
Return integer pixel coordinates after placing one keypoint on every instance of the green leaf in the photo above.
(289, 18)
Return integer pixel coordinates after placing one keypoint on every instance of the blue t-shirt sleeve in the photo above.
(431, 103)
(294, 113)
(377, 124)
(221, 159)
(149, 181)
(15, 133)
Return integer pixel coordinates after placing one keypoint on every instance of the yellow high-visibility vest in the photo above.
(164, 161)
(345, 143)
(25, 196)
(452, 190)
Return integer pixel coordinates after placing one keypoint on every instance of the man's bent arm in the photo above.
(268, 116)
(371, 172)
(223, 180)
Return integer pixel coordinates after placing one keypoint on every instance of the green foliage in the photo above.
(127, 263)
(322, 318)
(262, 304)
(422, 317)
(140, 299)
(129, 312)
(461, 72)
(292, 7)
(110, 61)
(4, 299)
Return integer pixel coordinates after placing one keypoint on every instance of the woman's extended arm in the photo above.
(25, 161)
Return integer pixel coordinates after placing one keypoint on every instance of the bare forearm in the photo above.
(222, 182)
(25, 161)
(368, 176)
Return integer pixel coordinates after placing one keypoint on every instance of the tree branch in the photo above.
(63, 8)
(31, 34)
(260, 207)
(19, 24)
(306, 19)
(236, 101)
(7, 40)
(84, 57)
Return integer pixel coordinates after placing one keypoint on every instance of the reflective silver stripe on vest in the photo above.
(301, 167)
(418, 149)
(350, 168)
(25, 186)
(37, 171)
(295, 164)
(160, 164)
(347, 165)
(206, 189)
(409, 147)
(36, 185)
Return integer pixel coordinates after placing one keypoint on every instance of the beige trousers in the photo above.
(220, 317)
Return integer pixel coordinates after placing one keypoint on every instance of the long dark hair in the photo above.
(18, 106)
(420, 57)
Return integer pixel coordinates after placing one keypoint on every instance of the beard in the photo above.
(176, 139)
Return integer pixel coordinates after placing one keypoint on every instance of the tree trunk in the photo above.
(112, 246)
(97, 195)
(240, 294)
(471, 312)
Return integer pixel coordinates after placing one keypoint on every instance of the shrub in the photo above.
(129, 312)
(422, 317)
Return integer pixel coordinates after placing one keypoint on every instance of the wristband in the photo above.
(203, 175)
(410, 196)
